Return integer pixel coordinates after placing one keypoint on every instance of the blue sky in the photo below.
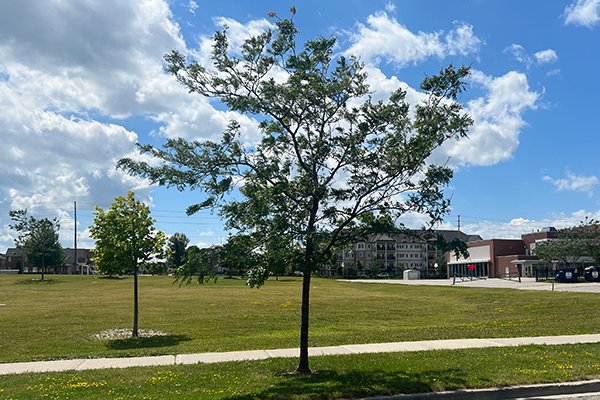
(82, 82)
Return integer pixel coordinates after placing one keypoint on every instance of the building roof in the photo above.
(14, 252)
(450, 235)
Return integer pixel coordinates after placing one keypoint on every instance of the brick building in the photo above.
(501, 257)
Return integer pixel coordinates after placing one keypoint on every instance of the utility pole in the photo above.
(75, 266)
(459, 223)
(134, 331)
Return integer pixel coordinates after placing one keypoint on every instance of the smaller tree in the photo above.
(176, 252)
(200, 263)
(563, 250)
(587, 233)
(241, 253)
(125, 239)
(39, 240)
(281, 256)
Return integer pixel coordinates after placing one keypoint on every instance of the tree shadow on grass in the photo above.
(327, 384)
(38, 281)
(112, 277)
(148, 341)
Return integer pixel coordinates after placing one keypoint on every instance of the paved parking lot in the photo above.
(525, 284)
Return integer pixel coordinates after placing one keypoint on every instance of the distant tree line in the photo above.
(572, 245)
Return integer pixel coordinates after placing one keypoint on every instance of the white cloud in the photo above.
(553, 72)
(546, 56)
(192, 7)
(238, 32)
(498, 115)
(381, 86)
(574, 183)
(498, 120)
(462, 40)
(520, 54)
(513, 229)
(390, 7)
(70, 72)
(386, 38)
(198, 120)
(582, 12)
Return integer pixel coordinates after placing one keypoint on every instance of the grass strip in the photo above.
(335, 377)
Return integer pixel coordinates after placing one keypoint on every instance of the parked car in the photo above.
(383, 275)
(298, 273)
(592, 274)
(566, 275)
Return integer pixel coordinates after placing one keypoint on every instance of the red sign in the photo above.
(471, 267)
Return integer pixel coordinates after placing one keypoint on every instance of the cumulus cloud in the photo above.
(574, 183)
(71, 76)
(583, 13)
(498, 120)
(384, 37)
(498, 115)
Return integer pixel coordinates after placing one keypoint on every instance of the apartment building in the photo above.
(394, 253)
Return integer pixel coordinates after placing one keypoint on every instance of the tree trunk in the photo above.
(303, 366)
(134, 332)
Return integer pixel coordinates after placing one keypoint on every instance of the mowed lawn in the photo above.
(334, 377)
(58, 318)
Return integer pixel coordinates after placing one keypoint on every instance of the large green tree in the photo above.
(125, 239)
(39, 240)
(329, 157)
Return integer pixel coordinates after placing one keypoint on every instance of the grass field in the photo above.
(56, 319)
(335, 377)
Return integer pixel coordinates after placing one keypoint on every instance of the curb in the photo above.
(502, 393)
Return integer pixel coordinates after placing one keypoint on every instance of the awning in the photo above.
(470, 261)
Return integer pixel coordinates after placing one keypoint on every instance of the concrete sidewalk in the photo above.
(100, 363)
